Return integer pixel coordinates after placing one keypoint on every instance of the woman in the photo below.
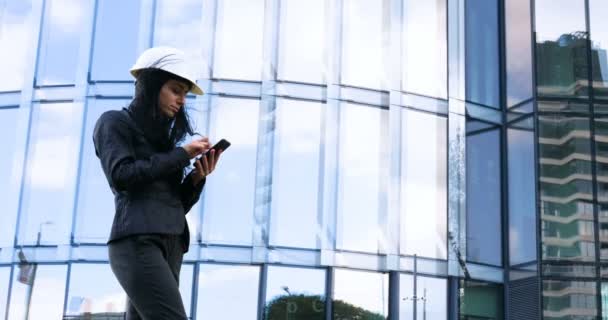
(144, 166)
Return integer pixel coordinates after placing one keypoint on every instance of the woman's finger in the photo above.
(205, 165)
(211, 160)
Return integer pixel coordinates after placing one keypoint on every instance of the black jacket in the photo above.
(149, 194)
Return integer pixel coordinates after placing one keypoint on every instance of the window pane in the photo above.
(604, 300)
(361, 145)
(566, 188)
(423, 184)
(302, 41)
(48, 198)
(599, 45)
(569, 300)
(94, 292)
(5, 279)
(430, 298)
(360, 295)
(240, 283)
(239, 39)
(226, 220)
(482, 71)
(295, 205)
(295, 293)
(95, 211)
(60, 42)
(425, 53)
(16, 32)
(45, 295)
(186, 278)
(11, 127)
(481, 301)
(483, 198)
(518, 51)
(601, 152)
(116, 39)
(561, 56)
(522, 199)
(179, 25)
(363, 47)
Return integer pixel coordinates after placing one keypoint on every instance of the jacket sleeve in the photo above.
(112, 139)
(189, 193)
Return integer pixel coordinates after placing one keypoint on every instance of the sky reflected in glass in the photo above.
(46, 297)
(300, 288)
(423, 184)
(360, 167)
(16, 33)
(228, 292)
(295, 189)
(226, 220)
(366, 290)
(48, 199)
(5, 280)
(425, 52)
(116, 40)
(431, 294)
(363, 51)
(239, 29)
(302, 41)
(60, 44)
(100, 293)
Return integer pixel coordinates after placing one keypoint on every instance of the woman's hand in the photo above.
(196, 147)
(204, 166)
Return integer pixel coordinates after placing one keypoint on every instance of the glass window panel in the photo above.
(45, 294)
(483, 198)
(480, 300)
(424, 184)
(16, 32)
(569, 300)
(225, 220)
(360, 295)
(599, 45)
(566, 188)
(186, 278)
(295, 293)
(604, 301)
(430, 298)
(522, 199)
(425, 53)
(561, 49)
(60, 42)
(363, 47)
(295, 205)
(176, 22)
(52, 165)
(240, 283)
(601, 151)
(5, 279)
(518, 49)
(362, 141)
(95, 211)
(302, 41)
(482, 60)
(239, 30)
(10, 176)
(94, 292)
(116, 39)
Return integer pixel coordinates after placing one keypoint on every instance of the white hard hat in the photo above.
(168, 59)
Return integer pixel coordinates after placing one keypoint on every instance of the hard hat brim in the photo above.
(195, 89)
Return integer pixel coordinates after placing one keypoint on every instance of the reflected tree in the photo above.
(312, 307)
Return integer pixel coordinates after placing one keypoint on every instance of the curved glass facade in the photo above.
(390, 159)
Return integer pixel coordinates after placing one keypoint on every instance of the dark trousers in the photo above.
(147, 267)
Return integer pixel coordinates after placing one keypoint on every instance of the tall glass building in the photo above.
(391, 159)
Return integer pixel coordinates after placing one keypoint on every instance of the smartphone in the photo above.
(220, 145)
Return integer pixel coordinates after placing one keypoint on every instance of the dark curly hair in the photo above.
(163, 132)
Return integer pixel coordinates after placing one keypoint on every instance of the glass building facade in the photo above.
(390, 159)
